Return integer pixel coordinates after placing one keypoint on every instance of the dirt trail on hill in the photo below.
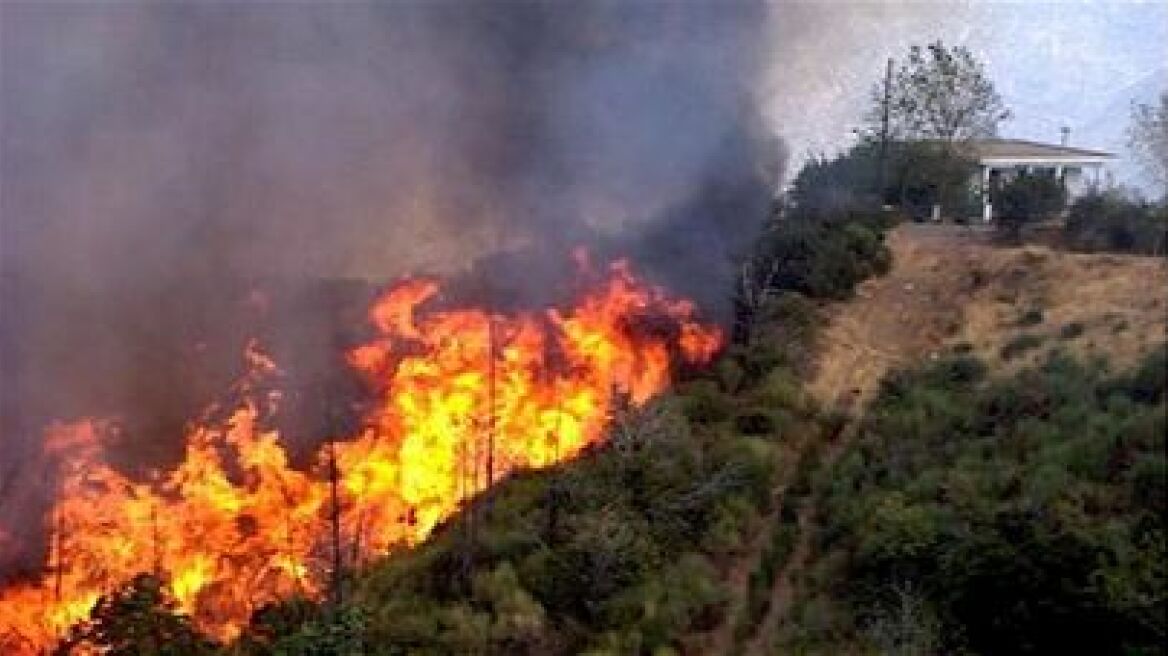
(949, 291)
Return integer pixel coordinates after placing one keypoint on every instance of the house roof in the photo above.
(1022, 151)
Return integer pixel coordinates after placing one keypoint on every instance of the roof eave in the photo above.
(1093, 160)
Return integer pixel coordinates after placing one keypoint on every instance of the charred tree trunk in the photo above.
(491, 391)
(336, 583)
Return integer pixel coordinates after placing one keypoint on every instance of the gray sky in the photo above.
(1077, 63)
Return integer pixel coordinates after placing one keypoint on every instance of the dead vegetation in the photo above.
(951, 291)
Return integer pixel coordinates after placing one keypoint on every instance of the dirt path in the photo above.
(722, 639)
(949, 287)
(863, 339)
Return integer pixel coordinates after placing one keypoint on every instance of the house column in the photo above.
(987, 209)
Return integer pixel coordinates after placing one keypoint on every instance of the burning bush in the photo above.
(465, 398)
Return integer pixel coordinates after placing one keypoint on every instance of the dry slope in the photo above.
(951, 290)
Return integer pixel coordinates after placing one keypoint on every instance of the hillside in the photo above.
(849, 478)
(950, 290)
(951, 294)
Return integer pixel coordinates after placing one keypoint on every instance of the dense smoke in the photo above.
(177, 177)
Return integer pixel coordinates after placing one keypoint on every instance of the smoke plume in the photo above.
(177, 177)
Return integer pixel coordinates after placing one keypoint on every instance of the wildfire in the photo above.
(465, 397)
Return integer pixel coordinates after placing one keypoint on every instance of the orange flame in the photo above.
(466, 397)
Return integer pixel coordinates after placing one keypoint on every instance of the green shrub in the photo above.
(782, 336)
(1026, 515)
(704, 403)
(1072, 330)
(782, 544)
(822, 256)
(954, 372)
(1025, 198)
(918, 175)
(1019, 345)
(730, 374)
(756, 423)
(1111, 221)
(1031, 317)
(140, 617)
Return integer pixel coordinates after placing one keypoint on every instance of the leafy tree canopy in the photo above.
(939, 93)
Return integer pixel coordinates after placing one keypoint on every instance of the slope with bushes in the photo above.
(659, 541)
(1004, 515)
(951, 292)
(785, 500)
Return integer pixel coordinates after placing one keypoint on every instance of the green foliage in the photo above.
(822, 257)
(1011, 516)
(1027, 197)
(137, 619)
(1110, 221)
(705, 403)
(1020, 344)
(923, 174)
(941, 93)
(336, 634)
(917, 175)
(840, 183)
(1031, 317)
(783, 333)
(613, 553)
(809, 252)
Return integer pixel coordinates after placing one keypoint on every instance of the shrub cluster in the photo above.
(824, 256)
(622, 551)
(1025, 198)
(1023, 515)
(1110, 221)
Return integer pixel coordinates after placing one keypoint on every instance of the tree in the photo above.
(941, 93)
(917, 174)
(138, 619)
(937, 100)
(923, 173)
(1148, 139)
(1111, 220)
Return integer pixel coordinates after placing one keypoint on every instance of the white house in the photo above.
(1078, 168)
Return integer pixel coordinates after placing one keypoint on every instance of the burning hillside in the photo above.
(465, 396)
